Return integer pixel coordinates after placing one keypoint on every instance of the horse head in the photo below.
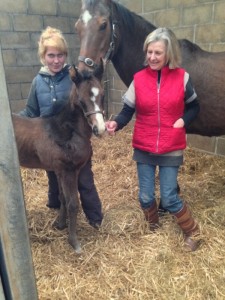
(97, 33)
(90, 96)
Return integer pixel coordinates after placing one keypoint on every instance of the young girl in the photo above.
(49, 92)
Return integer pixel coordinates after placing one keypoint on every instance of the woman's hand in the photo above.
(179, 123)
(111, 127)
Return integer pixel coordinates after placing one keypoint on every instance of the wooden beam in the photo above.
(16, 266)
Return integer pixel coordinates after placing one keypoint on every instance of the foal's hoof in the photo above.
(78, 250)
(76, 246)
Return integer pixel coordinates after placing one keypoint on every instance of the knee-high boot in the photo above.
(189, 227)
(151, 216)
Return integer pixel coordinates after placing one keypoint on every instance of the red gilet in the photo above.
(157, 109)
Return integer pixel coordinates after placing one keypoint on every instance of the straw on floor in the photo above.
(124, 260)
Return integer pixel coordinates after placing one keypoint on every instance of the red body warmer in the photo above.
(158, 106)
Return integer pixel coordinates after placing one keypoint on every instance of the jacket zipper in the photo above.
(158, 108)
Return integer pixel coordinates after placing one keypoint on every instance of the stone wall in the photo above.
(22, 21)
(202, 22)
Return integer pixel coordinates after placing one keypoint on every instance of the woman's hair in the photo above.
(51, 37)
(173, 53)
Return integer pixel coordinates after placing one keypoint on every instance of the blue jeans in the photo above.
(170, 199)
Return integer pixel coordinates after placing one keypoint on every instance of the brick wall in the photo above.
(202, 22)
(22, 21)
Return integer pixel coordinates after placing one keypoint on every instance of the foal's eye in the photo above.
(103, 26)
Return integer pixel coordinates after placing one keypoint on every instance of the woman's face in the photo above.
(54, 60)
(156, 55)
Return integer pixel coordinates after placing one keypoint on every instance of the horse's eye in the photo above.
(103, 26)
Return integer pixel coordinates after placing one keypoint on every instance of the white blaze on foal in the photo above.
(95, 92)
(99, 117)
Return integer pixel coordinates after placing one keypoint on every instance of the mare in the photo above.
(109, 31)
(62, 143)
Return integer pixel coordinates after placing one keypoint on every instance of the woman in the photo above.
(165, 103)
(49, 92)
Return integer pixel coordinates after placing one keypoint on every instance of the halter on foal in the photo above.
(62, 143)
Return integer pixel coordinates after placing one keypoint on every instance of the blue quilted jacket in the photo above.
(48, 94)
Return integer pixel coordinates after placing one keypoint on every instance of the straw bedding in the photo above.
(124, 260)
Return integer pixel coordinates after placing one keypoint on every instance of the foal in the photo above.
(61, 143)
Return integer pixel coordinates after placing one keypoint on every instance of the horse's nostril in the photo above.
(95, 130)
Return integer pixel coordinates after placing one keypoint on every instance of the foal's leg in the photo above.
(60, 222)
(70, 190)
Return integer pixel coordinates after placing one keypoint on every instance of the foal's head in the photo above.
(91, 97)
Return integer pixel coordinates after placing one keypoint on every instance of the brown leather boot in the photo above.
(151, 216)
(189, 227)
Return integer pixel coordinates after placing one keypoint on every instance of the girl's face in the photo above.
(156, 55)
(54, 60)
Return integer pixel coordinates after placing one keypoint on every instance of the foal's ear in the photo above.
(75, 75)
(98, 72)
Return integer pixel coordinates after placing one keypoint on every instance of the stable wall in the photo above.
(21, 22)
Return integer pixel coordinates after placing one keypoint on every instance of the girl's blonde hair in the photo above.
(173, 53)
(51, 37)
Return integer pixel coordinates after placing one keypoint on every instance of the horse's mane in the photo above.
(186, 44)
(62, 124)
(63, 131)
(130, 19)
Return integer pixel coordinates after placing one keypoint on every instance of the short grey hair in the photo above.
(173, 53)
